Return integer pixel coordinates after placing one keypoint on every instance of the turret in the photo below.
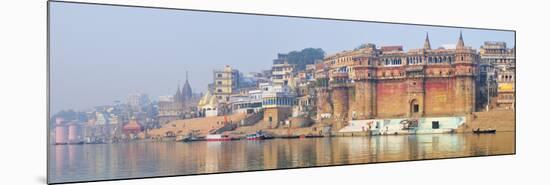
(427, 45)
(460, 43)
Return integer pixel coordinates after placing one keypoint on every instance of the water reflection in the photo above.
(138, 159)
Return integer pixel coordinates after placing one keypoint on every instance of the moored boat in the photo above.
(484, 131)
(194, 135)
(258, 136)
(313, 136)
(217, 137)
(193, 138)
(288, 136)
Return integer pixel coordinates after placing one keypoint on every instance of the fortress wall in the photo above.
(440, 96)
(391, 98)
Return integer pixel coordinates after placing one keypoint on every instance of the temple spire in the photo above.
(427, 45)
(186, 76)
(186, 91)
(178, 94)
(460, 43)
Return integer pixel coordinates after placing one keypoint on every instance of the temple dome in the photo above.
(208, 101)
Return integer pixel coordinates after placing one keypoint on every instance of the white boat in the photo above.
(217, 137)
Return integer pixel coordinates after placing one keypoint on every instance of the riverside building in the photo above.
(387, 82)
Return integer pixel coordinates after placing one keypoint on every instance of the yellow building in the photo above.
(226, 82)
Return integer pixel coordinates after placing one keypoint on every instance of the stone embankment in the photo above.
(201, 126)
(501, 120)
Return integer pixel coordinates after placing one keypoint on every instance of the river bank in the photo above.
(501, 120)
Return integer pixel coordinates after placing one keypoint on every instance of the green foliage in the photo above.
(360, 47)
(304, 57)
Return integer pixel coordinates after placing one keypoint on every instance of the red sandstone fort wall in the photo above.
(440, 96)
(391, 98)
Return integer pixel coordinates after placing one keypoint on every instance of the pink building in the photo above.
(60, 131)
(74, 133)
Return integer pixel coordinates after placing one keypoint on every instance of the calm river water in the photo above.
(147, 158)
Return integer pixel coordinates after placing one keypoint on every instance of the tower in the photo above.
(340, 97)
(466, 61)
(365, 90)
(324, 105)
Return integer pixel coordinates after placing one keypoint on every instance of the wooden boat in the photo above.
(192, 138)
(258, 136)
(484, 131)
(313, 136)
(289, 136)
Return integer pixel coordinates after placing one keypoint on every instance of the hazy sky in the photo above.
(99, 54)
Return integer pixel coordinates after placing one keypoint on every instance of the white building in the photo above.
(277, 102)
(250, 102)
(282, 72)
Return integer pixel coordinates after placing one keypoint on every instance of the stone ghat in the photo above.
(203, 125)
(501, 120)
(278, 132)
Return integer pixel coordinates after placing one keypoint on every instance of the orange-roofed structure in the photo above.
(133, 127)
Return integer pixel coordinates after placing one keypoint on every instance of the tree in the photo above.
(360, 47)
(305, 57)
